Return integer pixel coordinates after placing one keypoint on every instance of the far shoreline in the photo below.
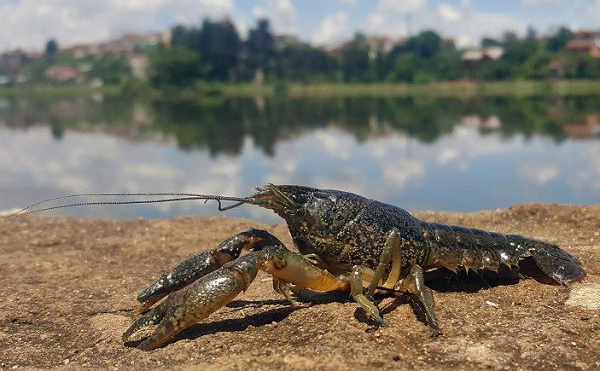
(443, 89)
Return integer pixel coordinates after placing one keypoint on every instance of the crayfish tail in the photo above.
(558, 264)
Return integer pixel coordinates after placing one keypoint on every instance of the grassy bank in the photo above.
(461, 89)
(439, 89)
(57, 91)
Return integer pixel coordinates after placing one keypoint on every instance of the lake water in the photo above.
(417, 153)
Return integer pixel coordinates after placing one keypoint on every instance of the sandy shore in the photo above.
(68, 287)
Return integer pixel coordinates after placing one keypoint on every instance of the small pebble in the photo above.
(236, 348)
(396, 358)
(582, 365)
(491, 303)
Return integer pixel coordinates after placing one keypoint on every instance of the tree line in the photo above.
(214, 51)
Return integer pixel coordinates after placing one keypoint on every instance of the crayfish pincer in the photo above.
(345, 242)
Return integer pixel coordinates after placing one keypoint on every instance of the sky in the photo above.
(28, 24)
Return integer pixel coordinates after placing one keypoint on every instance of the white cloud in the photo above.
(400, 6)
(539, 173)
(541, 2)
(464, 22)
(30, 23)
(389, 16)
(592, 9)
(281, 14)
(448, 13)
(332, 29)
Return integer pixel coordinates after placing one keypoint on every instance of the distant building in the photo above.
(282, 41)
(375, 44)
(13, 61)
(557, 67)
(60, 73)
(139, 65)
(381, 43)
(584, 130)
(478, 55)
(585, 41)
(126, 44)
(337, 50)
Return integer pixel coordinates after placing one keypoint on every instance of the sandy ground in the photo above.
(68, 287)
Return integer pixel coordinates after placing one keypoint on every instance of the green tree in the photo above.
(261, 47)
(355, 60)
(426, 44)
(110, 69)
(582, 67)
(51, 50)
(537, 65)
(517, 51)
(558, 41)
(488, 42)
(405, 69)
(447, 65)
(303, 62)
(494, 70)
(219, 44)
(178, 66)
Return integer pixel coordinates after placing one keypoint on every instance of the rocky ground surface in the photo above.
(68, 287)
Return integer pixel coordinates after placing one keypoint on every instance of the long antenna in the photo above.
(175, 197)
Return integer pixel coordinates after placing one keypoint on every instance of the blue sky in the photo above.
(29, 23)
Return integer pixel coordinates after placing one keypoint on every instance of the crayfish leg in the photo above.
(392, 251)
(358, 294)
(414, 283)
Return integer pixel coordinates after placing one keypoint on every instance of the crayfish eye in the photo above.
(299, 198)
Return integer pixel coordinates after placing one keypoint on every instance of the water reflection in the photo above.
(419, 153)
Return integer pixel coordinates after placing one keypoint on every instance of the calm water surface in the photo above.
(417, 153)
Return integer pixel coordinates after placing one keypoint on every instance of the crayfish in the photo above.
(344, 242)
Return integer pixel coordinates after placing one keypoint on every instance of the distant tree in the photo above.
(405, 69)
(220, 46)
(494, 70)
(531, 33)
(178, 66)
(180, 36)
(355, 59)
(509, 37)
(110, 69)
(303, 63)
(261, 46)
(380, 66)
(582, 66)
(488, 42)
(447, 65)
(426, 44)
(558, 41)
(517, 51)
(537, 65)
(51, 50)
(218, 43)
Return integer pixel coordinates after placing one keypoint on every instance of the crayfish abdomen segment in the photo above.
(455, 247)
